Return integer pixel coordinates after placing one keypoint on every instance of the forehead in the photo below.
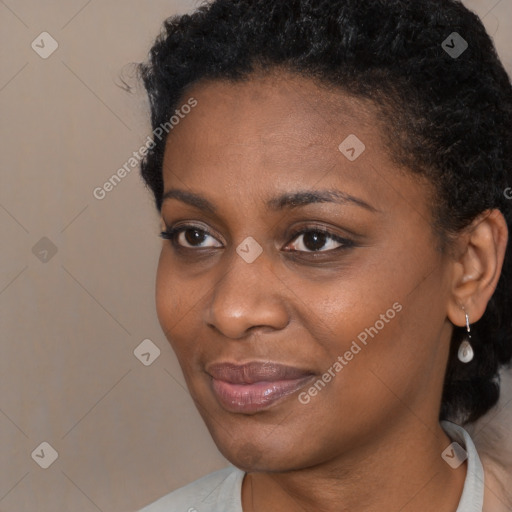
(276, 108)
(274, 132)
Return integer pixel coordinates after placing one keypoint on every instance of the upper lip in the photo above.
(255, 371)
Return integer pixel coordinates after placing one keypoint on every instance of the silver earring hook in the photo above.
(468, 329)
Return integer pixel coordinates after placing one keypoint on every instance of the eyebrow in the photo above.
(289, 200)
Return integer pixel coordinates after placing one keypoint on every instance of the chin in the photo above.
(266, 456)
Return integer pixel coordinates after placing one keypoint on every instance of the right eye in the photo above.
(190, 237)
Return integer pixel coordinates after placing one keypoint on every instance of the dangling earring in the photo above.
(466, 353)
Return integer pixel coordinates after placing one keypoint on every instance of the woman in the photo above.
(335, 274)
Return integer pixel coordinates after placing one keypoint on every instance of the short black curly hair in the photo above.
(449, 117)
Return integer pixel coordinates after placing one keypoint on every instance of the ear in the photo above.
(480, 251)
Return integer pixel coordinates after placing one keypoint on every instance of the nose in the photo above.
(247, 297)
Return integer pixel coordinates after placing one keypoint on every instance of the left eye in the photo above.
(317, 241)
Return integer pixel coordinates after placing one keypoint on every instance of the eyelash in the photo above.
(172, 235)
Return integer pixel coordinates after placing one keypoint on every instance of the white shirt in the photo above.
(221, 491)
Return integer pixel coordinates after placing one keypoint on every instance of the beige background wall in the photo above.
(75, 305)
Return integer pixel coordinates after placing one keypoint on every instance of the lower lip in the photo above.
(257, 396)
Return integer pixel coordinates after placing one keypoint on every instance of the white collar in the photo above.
(472, 498)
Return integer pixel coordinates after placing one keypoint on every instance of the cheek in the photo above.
(173, 302)
(365, 339)
(179, 304)
(165, 296)
(389, 344)
(371, 322)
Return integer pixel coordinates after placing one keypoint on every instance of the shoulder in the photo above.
(493, 440)
(221, 488)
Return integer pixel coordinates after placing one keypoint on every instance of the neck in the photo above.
(401, 470)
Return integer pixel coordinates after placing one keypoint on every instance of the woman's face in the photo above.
(303, 293)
